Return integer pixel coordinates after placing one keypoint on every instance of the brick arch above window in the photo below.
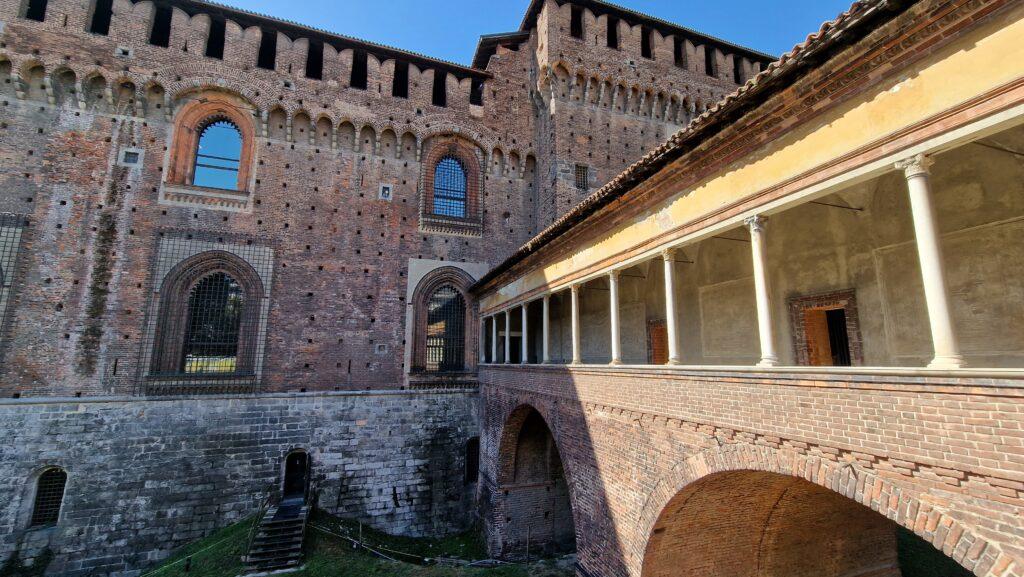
(460, 280)
(202, 110)
(174, 309)
(433, 218)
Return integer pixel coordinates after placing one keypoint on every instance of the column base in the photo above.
(768, 362)
(947, 362)
(615, 363)
(674, 362)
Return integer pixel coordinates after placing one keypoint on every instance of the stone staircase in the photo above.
(277, 543)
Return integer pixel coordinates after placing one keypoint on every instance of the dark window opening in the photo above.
(472, 460)
(268, 50)
(709, 61)
(679, 51)
(49, 497)
(446, 330)
(160, 34)
(450, 188)
(35, 10)
(315, 61)
(576, 24)
(103, 11)
(476, 93)
(218, 157)
(838, 339)
(400, 85)
(214, 315)
(645, 42)
(215, 41)
(737, 69)
(440, 88)
(358, 78)
(613, 32)
(582, 177)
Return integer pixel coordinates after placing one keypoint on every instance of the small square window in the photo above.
(381, 349)
(131, 157)
(582, 177)
(123, 52)
(386, 192)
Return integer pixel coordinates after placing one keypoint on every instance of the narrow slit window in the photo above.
(215, 41)
(472, 460)
(102, 12)
(315, 61)
(400, 84)
(218, 157)
(160, 33)
(268, 50)
(613, 32)
(645, 42)
(214, 316)
(446, 325)
(35, 10)
(440, 88)
(358, 78)
(49, 497)
(576, 23)
(450, 188)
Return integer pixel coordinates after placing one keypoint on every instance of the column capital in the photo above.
(546, 298)
(614, 273)
(574, 289)
(668, 254)
(756, 223)
(915, 165)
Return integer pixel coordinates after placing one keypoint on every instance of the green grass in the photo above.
(219, 555)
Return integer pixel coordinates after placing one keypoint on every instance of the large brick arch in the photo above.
(897, 503)
(512, 500)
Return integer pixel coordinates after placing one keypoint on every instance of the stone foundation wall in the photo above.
(148, 476)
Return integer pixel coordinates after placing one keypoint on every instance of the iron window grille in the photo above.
(582, 177)
(450, 188)
(12, 228)
(446, 330)
(49, 497)
(215, 306)
(218, 158)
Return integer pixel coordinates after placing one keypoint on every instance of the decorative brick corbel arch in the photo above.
(172, 319)
(866, 488)
(461, 281)
(204, 109)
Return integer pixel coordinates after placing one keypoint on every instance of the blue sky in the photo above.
(449, 29)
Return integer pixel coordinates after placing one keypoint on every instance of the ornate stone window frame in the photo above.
(178, 188)
(470, 157)
(461, 281)
(841, 299)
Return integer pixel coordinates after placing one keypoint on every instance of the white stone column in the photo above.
(669, 259)
(546, 331)
(929, 251)
(613, 300)
(523, 357)
(482, 339)
(576, 353)
(494, 339)
(508, 336)
(762, 290)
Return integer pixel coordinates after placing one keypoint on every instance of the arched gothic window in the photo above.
(215, 306)
(218, 156)
(49, 497)
(446, 330)
(450, 188)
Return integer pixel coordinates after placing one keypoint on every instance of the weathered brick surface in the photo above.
(936, 455)
(146, 477)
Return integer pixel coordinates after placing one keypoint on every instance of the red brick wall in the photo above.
(934, 455)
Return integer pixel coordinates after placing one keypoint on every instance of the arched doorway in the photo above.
(760, 524)
(296, 478)
(535, 510)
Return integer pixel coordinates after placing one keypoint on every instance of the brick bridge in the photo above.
(753, 473)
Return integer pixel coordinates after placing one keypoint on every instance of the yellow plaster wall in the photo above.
(972, 65)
